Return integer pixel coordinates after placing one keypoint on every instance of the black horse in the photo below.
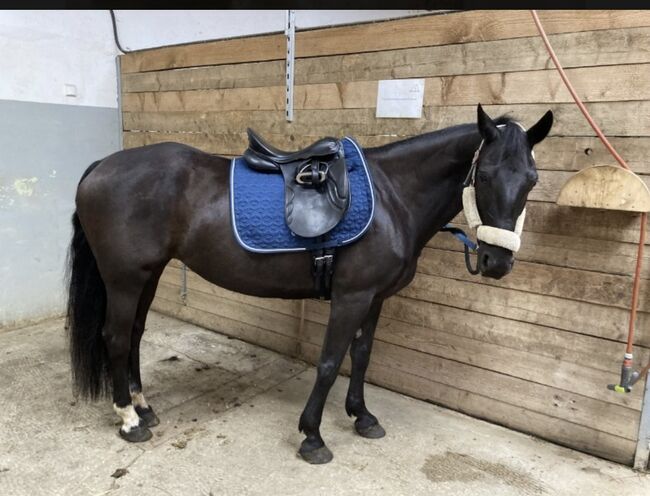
(139, 208)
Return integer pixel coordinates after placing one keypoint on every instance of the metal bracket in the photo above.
(290, 32)
(183, 291)
(642, 456)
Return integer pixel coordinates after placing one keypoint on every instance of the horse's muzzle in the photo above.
(494, 261)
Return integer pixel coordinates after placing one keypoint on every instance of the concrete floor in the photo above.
(229, 413)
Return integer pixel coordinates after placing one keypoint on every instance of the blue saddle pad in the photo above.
(257, 207)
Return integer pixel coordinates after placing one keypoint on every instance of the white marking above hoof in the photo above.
(138, 400)
(130, 418)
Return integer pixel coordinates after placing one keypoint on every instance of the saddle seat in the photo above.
(321, 148)
(316, 186)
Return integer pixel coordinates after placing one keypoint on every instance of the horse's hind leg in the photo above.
(122, 304)
(346, 316)
(142, 408)
(366, 423)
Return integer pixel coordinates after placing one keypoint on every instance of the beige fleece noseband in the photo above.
(510, 240)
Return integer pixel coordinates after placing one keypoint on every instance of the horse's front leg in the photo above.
(347, 313)
(366, 423)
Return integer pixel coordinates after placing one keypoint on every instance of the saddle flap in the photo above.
(311, 212)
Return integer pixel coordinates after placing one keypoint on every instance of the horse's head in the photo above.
(502, 175)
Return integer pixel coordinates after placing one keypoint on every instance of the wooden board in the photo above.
(405, 33)
(593, 287)
(269, 47)
(573, 252)
(606, 187)
(240, 330)
(617, 118)
(594, 84)
(582, 49)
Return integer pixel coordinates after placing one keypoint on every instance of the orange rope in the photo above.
(635, 286)
(619, 159)
(575, 96)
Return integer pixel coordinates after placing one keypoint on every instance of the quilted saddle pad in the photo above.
(257, 207)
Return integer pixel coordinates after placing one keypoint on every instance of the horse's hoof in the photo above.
(316, 456)
(148, 415)
(138, 434)
(374, 431)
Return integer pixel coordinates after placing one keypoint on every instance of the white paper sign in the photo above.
(400, 98)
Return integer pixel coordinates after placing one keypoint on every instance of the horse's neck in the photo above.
(426, 174)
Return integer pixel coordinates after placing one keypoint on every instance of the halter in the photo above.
(510, 240)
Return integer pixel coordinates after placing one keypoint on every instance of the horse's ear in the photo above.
(486, 126)
(539, 131)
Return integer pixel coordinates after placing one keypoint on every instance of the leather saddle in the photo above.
(316, 187)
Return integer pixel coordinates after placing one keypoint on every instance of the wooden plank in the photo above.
(604, 289)
(593, 84)
(259, 318)
(576, 153)
(515, 417)
(229, 51)
(244, 75)
(172, 276)
(606, 417)
(554, 153)
(567, 374)
(560, 313)
(606, 186)
(230, 327)
(617, 118)
(573, 252)
(497, 330)
(461, 27)
(404, 33)
(581, 49)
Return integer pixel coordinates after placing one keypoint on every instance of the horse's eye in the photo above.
(482, 177)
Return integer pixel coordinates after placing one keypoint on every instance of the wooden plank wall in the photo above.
(533, 351)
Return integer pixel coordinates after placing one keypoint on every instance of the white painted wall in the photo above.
(140, 29)
(44, 50)
(47, 140)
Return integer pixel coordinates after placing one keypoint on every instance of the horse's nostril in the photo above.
(485, 260)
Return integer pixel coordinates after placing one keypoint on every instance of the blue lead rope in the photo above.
(469, 245)
(460, 235)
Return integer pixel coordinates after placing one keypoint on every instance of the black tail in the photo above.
(86, 315)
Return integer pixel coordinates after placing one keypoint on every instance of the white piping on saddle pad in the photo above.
(510, 240)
